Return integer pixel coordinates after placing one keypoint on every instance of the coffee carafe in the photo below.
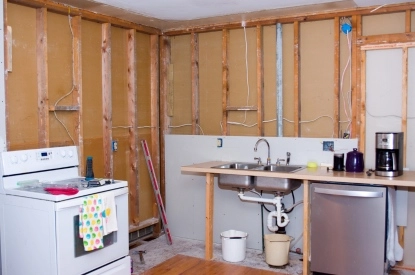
(389, 154)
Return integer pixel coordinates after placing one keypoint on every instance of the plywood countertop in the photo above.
(311, 174)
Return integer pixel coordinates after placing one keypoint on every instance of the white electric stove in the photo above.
(41, 193)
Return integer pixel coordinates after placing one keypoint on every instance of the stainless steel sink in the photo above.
(280, 168)
(282, 186)
(267, 184)
(238, 166)
(226, 181)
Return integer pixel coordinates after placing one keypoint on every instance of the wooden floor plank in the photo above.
(186, 265)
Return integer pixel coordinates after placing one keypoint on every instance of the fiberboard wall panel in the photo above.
(182, 85)
(21, 92)
(390, 23)
(317, 66)
(60, 79)
(119, 101)
(92, 94)
(145, 192)
(242, 68)
(270, 86)
(210, 73)
(288, 78)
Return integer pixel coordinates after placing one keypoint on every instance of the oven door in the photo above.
(71, 255)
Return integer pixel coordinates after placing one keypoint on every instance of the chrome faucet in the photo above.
(269, 153)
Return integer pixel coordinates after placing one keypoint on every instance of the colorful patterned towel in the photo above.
(109, 213)
(90, 222)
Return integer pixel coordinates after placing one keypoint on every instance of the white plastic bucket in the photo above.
(233, 245)
(277, 247)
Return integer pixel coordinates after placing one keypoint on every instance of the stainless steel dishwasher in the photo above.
(348, 229)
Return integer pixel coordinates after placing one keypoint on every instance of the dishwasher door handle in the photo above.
(349, 193)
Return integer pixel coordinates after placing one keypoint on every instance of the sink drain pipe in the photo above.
(278, 214)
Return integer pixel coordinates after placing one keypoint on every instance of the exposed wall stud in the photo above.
(42, 76)
(225, 81)
(195, 83)
(260, 79)
(107, 100)
(297, 81)
(133, 183)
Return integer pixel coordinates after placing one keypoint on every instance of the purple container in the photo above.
(354, 161)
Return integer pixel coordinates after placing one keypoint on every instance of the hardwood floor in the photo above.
(181, 264)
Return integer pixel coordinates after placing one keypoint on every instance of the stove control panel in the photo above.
(33, 160)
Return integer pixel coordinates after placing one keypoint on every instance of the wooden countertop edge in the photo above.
(311, 174)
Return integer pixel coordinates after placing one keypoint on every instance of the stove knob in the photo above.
(23, 157)
(63, 153)
(70, 154)
(14, 159)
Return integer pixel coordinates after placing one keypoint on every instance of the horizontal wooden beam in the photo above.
(295, 18)
(386, 39)
(241, 108)
(85, 14)
(63, 108)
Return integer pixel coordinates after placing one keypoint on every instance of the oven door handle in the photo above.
(349, 193)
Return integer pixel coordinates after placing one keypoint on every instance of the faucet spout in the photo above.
(269, 153)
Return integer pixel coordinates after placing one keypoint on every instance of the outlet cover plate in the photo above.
(328, 145)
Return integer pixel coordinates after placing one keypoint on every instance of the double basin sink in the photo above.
(281, 186)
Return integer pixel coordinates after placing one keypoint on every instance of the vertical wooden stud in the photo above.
(260, 79)
(165, 59)
(209, 216)
(77, 85)
(225, 81)
(154, 102)
(297, 80)
(355, 86)
(408, 21)
(106, 99)
(362, 130)
(133, 181)
(42, 76)
(336, 77)
(195, 82)
(404, 101)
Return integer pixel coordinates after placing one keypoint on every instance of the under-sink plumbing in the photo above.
(281, 217)
(269, 153)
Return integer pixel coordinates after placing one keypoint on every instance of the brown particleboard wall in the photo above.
(288, 79)
(146, 193)
(270, 86)
(182, 89)
(316, 48)
(21, 93)
(60, 78)
(210, 98)
(239, 95)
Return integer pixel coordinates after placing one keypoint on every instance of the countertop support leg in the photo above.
(306, 228)
(209, 217)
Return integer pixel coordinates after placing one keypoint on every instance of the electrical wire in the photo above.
(73, 85)
(182, 125)
(347, 95)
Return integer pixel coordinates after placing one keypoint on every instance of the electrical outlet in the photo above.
(219, 143)
(114, 146)
(328, 145)
(243, 23)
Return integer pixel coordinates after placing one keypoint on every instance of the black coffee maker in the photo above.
(389, 154)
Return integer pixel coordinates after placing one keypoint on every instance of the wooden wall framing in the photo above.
(74, 111)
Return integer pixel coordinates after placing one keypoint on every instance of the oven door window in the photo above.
(109, 239)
